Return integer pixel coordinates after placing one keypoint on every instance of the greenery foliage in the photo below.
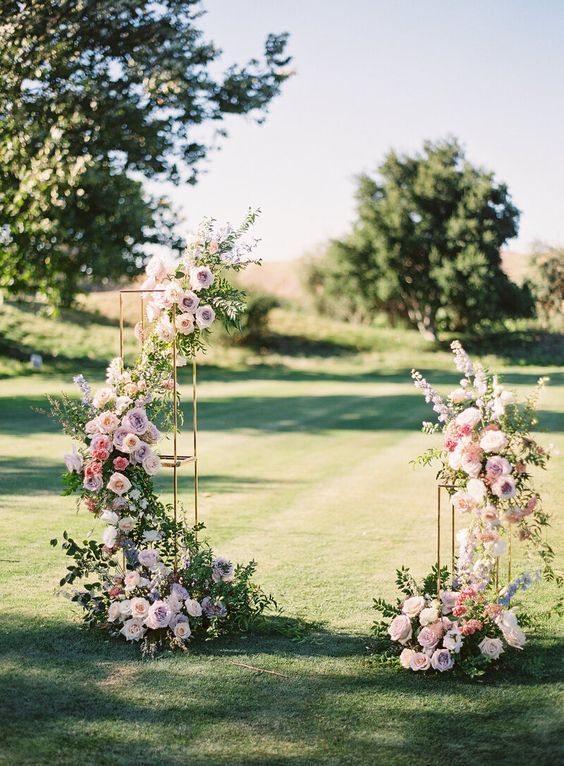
(547, 285)
(425, 246)
(96, 96)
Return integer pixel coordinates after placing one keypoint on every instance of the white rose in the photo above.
(131, 442)
(110, 517)
(193, 607)
(507, 620)
(469, 417)
(109, 537)
(131, 580)
(125, 608)
(127, 524)
(413, 605)
(139, 608)
(400, 629)
(114, 611)
(476, 489)
(152, 464)
(182, 630)
(515, 638)
(102, 397)
(405, 657)
(491, 647)
(133, 629)
(493, 441)
(428, 615)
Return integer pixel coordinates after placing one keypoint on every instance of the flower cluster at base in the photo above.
(464, 629)
(149, 578)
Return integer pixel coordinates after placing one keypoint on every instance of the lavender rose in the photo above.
(136, 420)
(159, 615)
(441, 660)
(400, 629)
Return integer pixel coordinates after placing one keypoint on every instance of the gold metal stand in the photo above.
(174, 461)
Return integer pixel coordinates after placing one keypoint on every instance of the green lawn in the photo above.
(305, 467)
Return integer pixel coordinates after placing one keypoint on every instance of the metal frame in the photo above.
(174, 461)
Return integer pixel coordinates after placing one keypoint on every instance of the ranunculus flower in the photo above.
(204, 316)
(109, 536)
(491, 647)
(441, 660)
(193, 607)
(159, 615)
(504, 487)
(497, 466)
(133, 629)
(102, 397)
(152, 464)
(119, 484)
(131, 442)
(93, 483)
(413, 605)
(428, 615)
(185, 323)
(476, 489)
(188, 302)
(200, 277)
(108, 422)
(136, 420)
(468, 417)
(127, 524)
(463, 502)
(493, 441)
(419, 661)
(405, 657)
(400, 629)
(148, 558)
(74, 460)
(120, 463)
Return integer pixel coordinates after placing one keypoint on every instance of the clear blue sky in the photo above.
(374, 75)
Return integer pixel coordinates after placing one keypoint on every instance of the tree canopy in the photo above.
(98, 95)
(426, 244)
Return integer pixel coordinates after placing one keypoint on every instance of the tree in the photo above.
(426, 245)
(96, 96)
(547, 284)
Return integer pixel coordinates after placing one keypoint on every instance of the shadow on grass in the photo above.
(71, 692)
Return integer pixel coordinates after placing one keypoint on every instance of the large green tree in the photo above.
(97, 95)
(426, 244)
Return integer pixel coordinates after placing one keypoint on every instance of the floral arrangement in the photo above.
(485, 464)
(150, 578)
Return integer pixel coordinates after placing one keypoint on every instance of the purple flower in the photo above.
(93, 483)
(136, 421)
(142, 452)
(179, 591)
(213, 610)
(119, 435)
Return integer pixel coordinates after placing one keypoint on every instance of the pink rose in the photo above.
(120, 463)
(400, 629)
(448, 599)
(419, 661)
(468, 417)
(428, 637)
(463, 502)
(119, 484)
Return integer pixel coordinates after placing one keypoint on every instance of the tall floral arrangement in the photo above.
(485, 461)
(150, 577)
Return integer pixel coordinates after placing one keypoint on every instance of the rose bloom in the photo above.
(93, 468)
(493, 441)
(152, 464)
(156, 268)
(119, 435)
(159, 615)
(200, 277)
(148, 558)
(400, 629)
(489, 514)
(109, 537)
(470, 627)
(130, 443)
(165, 330)
(463, 502)
(110, 517)
(468, 417)
(188, 302)
(102, 397)
(458, 395)
(515, 638)
(448, 598)
(182, 630)
(120, 463)
(193, 607)
(504, 488)
(113, 611)
(428, 637)
(497, 466)
(100, 454)
(491, 647)
(92, 427)
(453, 641)
(118, 503)
(119, 484)
(136, 420)
(127, 524)
(204, 316)
(513, 515)
(476, 489)
(74, 460)
(173, 293)
(441, 660)
(133, 630)
(93, 483)
(413, 605)
(142, 452)
(101, 442)
(428, 615)
(108, 422)
(125, 608)
(131, 580)
(405, 657)
(139, 608)
(185, 323)
(419, 661)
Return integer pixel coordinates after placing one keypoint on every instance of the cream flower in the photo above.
(469, 417)
(413, 605)
(133, 629)
(130, 443)
(114, 611)
(102, 397)
(152, 464)
(165, 330)
(405, 657)
(110, 517)
(493, 441)
(109, 537)
(131, 580)
(193, 607)
(185, 323)
(182, 630)
(139, 607)
(419, 661)
(108, 422)
(125, 608)
(119, 484)
(463, 502)
(476, 489)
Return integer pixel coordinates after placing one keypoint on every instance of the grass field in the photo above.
(305, 467)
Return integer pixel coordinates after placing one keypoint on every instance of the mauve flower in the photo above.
(188, 302)
(74, 460)
(205, 316)
(185, 323)
(504, 487)
(119, 484)
(491, 647)
(419, 661)
(152, 434)
(101, 441)
(399, 629)
(152, 464)
(211, 609)
(159, 615)
(120, 463)
(441, 660)
(179, 591)
(136, 420)
(428, 637)
(201, 277)
(148, 558)
(497, 466)
(448, 599)
(142, 452)
(93, 483)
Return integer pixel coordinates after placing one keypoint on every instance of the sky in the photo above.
(372, 75)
